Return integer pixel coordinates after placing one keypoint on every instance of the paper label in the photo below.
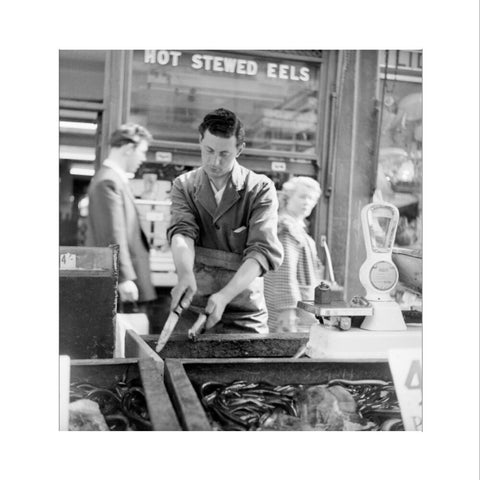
(406, 368)
(279, 167)
(383, 275)
(164, 157)
(155, 216)
(68, 261)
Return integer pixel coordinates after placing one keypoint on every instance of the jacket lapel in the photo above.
(204, 194)
(235, 184)
(229, 198)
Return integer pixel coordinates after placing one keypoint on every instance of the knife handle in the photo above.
(179, 309)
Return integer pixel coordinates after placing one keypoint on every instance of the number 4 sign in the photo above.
(68, 261)
(406, 368)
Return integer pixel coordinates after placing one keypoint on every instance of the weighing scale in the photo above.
(383, 327)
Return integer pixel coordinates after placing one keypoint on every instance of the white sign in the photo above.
(164, 157)
(279, 167)
(406, 367)
(68, 261)
(64, 387)
(223, 64)
(155, 216)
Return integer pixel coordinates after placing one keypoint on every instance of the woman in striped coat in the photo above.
(301, 270)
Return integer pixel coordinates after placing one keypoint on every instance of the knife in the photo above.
(169, 327)
(198, 327)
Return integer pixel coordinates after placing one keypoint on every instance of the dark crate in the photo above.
(88, 302)
(107, 372)
(183, 378)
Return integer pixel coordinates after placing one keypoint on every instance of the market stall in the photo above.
(359, 365)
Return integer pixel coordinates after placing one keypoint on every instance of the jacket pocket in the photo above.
(238, 239)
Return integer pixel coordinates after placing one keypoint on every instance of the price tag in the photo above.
(68, 261)
(406, 367)
(163, 157)
(155, 216)
(279, 166)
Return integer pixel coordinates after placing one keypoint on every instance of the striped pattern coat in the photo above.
(298, 275)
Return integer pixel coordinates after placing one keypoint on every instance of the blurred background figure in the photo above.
(150, 186)
(113, 216)
(82, 221)
(301, 270)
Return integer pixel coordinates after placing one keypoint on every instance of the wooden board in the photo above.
(136, 347)
(245, 345)
(107, 372)
(183, 378)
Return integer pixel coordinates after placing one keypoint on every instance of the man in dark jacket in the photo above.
(223, 232)
(113, 217)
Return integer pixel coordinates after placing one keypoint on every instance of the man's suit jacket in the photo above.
(113, 219)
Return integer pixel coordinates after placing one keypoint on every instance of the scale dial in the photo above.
(383, 276)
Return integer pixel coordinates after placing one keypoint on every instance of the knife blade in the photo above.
(168, 327)
(198, 327)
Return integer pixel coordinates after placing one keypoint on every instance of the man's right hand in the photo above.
(128, 291)
(186, 288)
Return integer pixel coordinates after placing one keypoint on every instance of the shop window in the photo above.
(399, 175)
(277, 99)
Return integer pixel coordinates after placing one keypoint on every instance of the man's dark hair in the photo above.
(223, 123)
(129, 133)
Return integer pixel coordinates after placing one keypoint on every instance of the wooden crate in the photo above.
(183, 378)
(242, 345)
(107, 372)
(88, 301)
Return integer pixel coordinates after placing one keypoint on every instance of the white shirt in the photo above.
(111, 164)
(218, 193)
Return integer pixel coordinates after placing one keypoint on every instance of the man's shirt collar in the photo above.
(111, 164)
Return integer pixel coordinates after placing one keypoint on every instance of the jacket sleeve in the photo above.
(262, 243)
(182, 219)
(283, 281)
(108, 220)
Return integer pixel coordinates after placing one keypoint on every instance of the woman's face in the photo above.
(301, 202)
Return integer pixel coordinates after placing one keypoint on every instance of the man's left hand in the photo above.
(214, 309)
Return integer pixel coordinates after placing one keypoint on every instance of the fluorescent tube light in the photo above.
(87, 172)
(90, 127)
(71, 152)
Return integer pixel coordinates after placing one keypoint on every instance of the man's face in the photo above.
(218, 154)
(137, 154)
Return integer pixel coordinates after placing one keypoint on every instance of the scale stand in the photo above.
(378, 274)
(383, 327)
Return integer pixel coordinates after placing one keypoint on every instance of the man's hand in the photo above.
(186, 287)
(183, 251)
(215, 307)
(128, 291)
(248, 271)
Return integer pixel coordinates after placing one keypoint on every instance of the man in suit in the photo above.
(113, 216)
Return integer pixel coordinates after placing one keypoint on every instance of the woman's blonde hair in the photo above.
(291, 186)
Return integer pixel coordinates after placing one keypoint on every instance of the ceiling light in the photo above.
(71, 152)
(82, 126)
(87, 172)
